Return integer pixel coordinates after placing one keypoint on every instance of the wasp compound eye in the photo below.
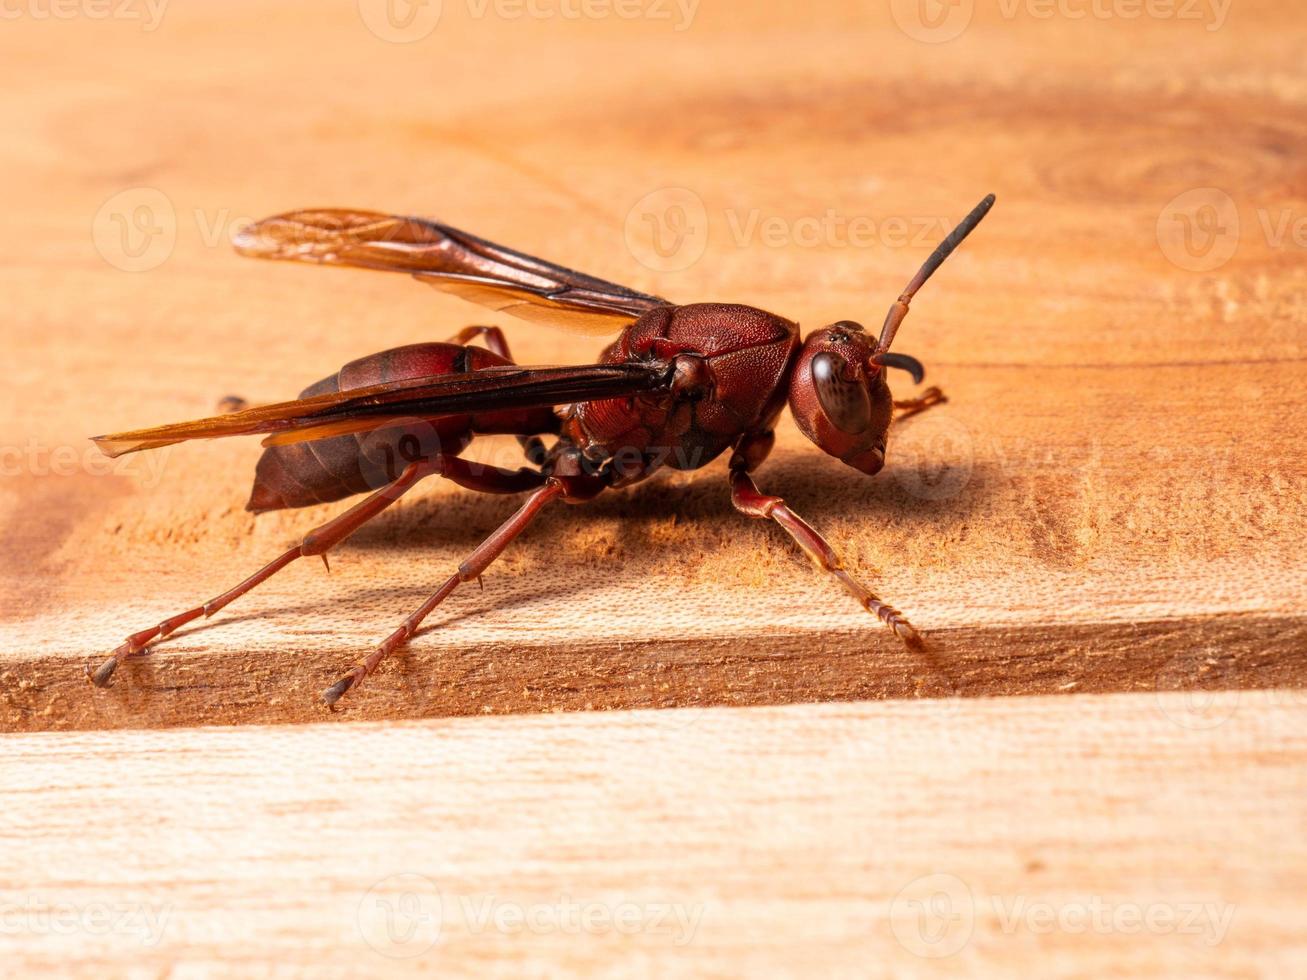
(846, 403)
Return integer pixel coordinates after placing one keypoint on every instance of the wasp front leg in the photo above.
(908, 407)
(749, 500)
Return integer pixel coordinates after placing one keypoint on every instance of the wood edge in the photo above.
(1245, 651)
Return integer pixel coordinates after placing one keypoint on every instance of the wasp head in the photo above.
(839, 396)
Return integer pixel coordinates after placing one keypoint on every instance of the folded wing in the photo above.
(362, 409)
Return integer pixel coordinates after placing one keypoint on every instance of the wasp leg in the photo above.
(228, 404)
(749, 500)
(317, 542)
(493, 340)
(471, 568)
(909, 407)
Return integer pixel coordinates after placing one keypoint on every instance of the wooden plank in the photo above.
(1154, 835)
(1111, 501)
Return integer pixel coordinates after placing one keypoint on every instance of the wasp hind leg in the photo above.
(317, 542)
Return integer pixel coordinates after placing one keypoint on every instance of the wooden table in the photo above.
(1102, 531)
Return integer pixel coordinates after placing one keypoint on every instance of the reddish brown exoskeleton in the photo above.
(678, 387)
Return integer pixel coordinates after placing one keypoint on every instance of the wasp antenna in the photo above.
(899, 310)
(904, 362)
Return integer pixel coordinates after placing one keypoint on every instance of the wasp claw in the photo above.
(232, 403)
(909, 635)
(334, 693)
(100, 676)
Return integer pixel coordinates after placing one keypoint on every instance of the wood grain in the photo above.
(1111, 501)
(987, 838)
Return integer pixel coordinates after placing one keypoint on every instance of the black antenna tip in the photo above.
(978, 212)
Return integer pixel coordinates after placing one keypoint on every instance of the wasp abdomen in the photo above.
(318, 472)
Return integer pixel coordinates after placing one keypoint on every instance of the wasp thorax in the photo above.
(839, 397)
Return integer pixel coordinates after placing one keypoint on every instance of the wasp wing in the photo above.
(451, 260)
(361, 409)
